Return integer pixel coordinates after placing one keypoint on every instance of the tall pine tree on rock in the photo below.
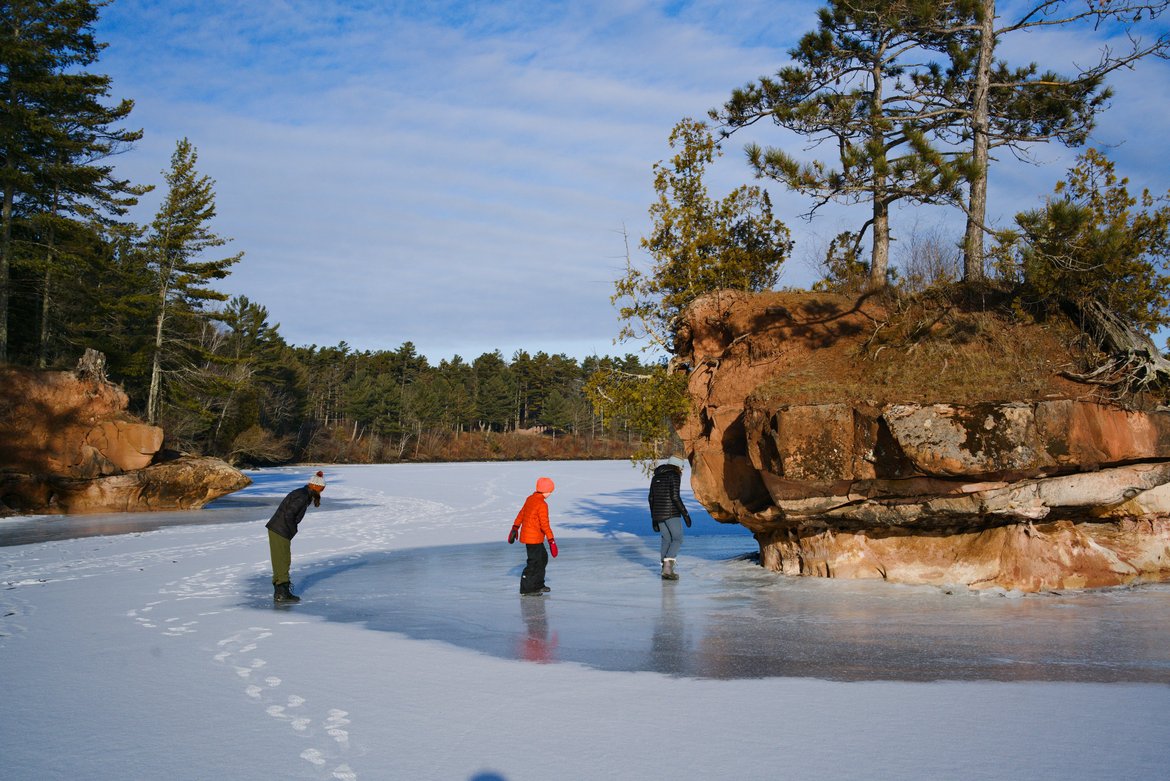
(179, 237)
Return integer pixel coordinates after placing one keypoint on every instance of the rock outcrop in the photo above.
(68, 445)
(795, 436)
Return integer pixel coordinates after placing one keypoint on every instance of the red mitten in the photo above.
(512, 534)
(552, 547)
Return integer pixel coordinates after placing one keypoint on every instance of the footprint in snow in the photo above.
(314, 756)
(335, 724)
(180, 629)
(342, 772)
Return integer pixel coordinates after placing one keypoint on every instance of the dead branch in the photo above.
(1135, 364)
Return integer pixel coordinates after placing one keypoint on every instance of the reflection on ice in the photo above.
(727, 618)
(535, 643)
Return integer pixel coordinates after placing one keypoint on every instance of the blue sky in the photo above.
(459, 174)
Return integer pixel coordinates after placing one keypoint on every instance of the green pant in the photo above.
(281, 550)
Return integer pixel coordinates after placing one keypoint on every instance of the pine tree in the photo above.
(698, 245)
(247, 362)
(54, 130)
(179, 236)
(1013, 107)
(852, 86)
(556, 412)
(457, 397)
(1096, 243)
(494, 391)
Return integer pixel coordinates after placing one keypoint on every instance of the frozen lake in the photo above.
(148, 646)
(726, 618)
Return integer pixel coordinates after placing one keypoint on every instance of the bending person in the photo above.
(283, 527)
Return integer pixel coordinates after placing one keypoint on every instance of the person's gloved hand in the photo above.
(655, 525)
(687, 518)
(552, 547)
(512, 534)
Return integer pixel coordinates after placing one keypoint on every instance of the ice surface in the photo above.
(727, 618)
(156, 651)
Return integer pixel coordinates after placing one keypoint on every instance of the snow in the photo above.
(154, 650)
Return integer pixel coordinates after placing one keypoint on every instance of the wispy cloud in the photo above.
(456, 174)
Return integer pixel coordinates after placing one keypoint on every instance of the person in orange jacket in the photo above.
(531, 527)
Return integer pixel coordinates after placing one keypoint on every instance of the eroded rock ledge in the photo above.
(1043, 493)
(68, 445)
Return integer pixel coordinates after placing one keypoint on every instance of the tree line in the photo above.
(258, 400)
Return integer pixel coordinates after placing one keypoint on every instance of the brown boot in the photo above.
(668, 572)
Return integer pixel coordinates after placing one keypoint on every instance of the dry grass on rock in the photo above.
(930, 349)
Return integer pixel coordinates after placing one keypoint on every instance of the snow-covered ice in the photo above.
(155, 651)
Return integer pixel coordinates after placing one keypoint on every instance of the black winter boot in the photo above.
(283, 593)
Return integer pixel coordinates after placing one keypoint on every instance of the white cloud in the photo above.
(458, 174)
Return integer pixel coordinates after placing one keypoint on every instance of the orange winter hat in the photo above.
(544, 485)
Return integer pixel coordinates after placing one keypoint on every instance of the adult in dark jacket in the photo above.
(283, 527)
(667, 512)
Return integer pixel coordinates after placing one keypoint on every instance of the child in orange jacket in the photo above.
(531, 527)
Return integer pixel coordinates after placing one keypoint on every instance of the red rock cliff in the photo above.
(68, 445)
(966, 460)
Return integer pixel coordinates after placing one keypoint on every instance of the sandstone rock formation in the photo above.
(802, 433)
(67, 445)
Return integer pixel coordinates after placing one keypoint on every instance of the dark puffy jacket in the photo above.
(665, 501)
(292, 509)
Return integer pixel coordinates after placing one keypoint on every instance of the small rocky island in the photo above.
(949, 445)
(68, 445)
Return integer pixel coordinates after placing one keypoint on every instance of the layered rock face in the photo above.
(67, 445)
(1035, 494)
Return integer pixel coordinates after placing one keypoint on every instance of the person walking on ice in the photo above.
(531, 527)
(283, 527)
(667, 512)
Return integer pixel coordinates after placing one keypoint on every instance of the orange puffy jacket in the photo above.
(533, 520)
